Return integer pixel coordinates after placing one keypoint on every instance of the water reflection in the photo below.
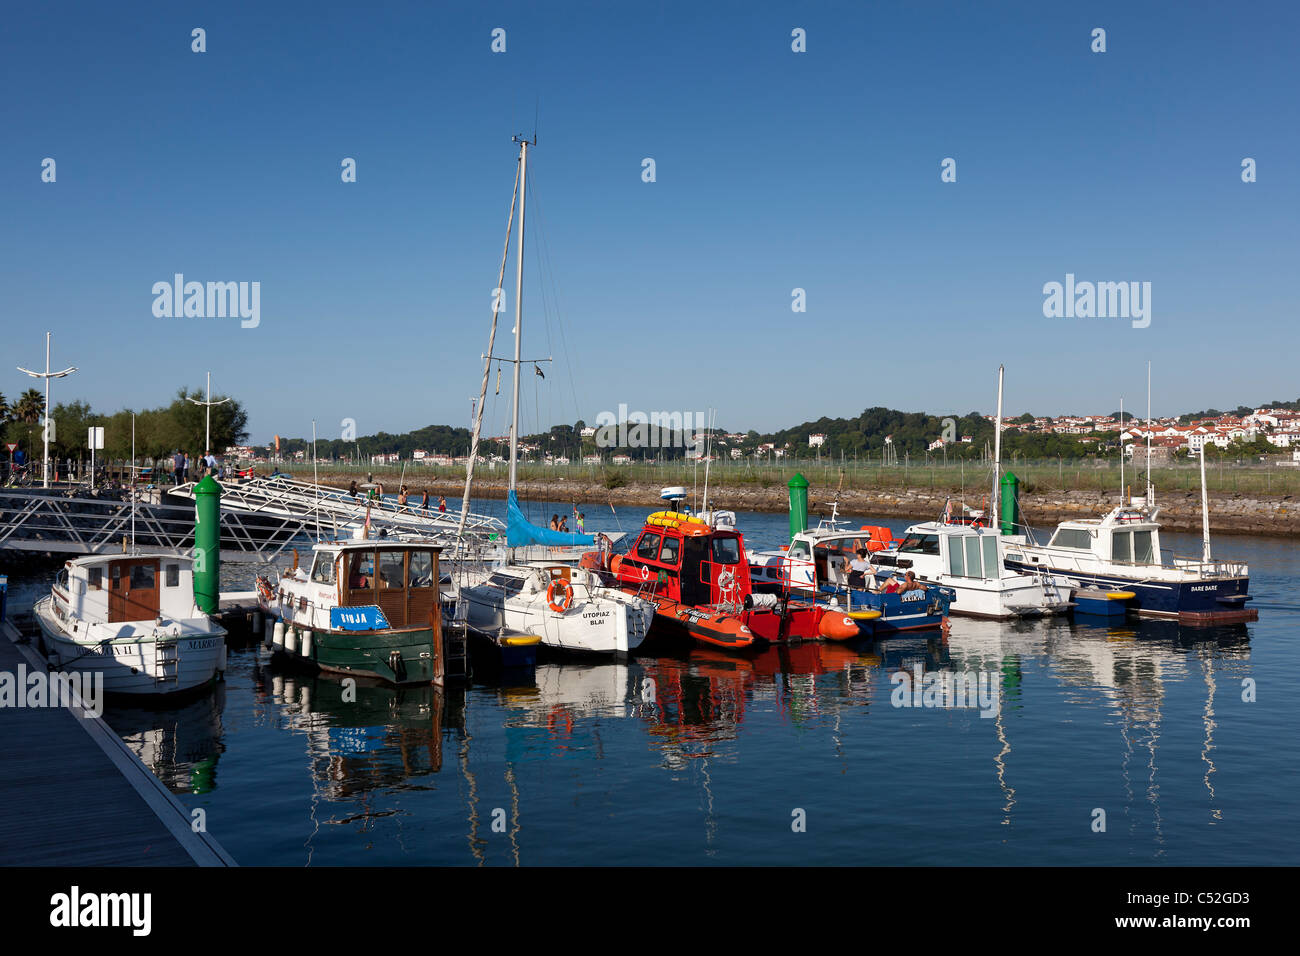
(180, 744)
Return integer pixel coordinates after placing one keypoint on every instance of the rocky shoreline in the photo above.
(1272, 515)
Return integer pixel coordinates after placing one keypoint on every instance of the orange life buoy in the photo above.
(564, 588)
(615, 563)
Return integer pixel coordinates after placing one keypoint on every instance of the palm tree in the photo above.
(30, 407)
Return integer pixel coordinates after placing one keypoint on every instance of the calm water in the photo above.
(691, 756)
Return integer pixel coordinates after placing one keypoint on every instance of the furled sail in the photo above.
(520, 532)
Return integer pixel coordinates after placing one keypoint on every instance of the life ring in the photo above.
(727, 579)
(564, 588)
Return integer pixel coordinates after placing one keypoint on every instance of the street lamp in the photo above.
(207, 443)
(47, 375)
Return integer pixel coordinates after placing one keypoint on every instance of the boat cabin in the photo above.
(1121, 538)
(129, 587)
(688, 561)
(400, 578)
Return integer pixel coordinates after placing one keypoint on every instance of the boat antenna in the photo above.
(1121, 451)
(997, 458)
(315, 479)
(708, 444)
(134, 489)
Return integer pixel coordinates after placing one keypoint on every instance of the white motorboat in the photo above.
(972, 561)
(133, 618)
(569, 608)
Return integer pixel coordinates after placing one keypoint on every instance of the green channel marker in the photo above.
(207, 545)
(798, 504)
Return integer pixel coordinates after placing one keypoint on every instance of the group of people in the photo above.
(861, 577)
(185, 468)
(375, 492)
(562, 524)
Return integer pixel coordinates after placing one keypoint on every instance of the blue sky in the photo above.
(775, 170)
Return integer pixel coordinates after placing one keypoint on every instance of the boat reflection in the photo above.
(181, 745)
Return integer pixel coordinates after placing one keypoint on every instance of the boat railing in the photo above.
(1213, 568)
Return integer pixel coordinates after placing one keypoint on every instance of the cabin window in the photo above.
(1143, 548)
(992, 566)
(1121, 546)
(115, 576)
(143, 578)
(95, 579)
(421, 572)
(510, 584)
(972, 543)
(956, 556)
(798, 549)
(1078, 538)
(361, 569)
(669, 553)
(726, 550)
(390, 569)
(920, 544)
(648, 546)
(322, 571)
(173, 575)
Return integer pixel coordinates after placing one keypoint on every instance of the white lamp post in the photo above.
(47, 375)
(207, 444)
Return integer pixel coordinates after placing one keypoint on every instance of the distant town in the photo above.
(1260, 432)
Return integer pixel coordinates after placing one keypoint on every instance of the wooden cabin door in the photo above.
(133, 590)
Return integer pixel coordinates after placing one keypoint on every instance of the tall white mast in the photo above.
(1205, 512)
(1150, 487)
(997, 458)
(1121, 452)
(519, 311)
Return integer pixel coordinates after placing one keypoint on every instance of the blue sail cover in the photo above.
(520, 532)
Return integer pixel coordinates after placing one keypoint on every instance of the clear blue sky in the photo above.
(775, 170)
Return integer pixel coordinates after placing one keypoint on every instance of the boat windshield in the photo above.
(920, 544)
(510, 584)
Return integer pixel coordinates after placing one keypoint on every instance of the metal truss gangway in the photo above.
(261, 519)
(339, 513)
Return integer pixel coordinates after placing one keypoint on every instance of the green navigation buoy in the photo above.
(798, 504)
(207, 545)
(1010, 510)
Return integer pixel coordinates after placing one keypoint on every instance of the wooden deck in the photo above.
(72, 794)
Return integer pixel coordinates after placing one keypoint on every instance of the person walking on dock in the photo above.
(178, 467)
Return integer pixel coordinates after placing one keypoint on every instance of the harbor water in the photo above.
(1130, 743)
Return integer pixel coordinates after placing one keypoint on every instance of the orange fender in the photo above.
(835, 626)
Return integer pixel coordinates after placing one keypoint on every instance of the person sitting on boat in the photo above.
(910, 583)
(352, 489)
(555, 522)
(359, 579)
(564, 525)
(858, 569)
(401, 496)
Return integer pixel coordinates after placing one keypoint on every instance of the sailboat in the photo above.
(567, 607)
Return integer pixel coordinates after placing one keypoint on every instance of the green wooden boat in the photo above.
(363, 608)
